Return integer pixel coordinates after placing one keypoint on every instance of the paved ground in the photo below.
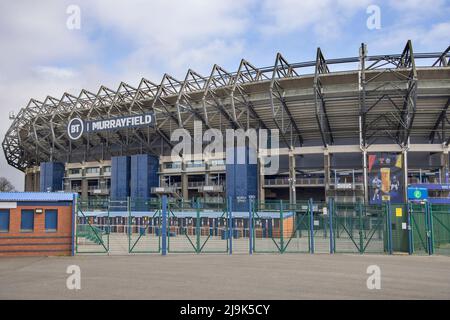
(289, 276)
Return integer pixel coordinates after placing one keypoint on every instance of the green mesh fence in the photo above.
(419, 228)
(134, 226)
(92, 234)
(359, 228)
(267, 230)
(144, 226)
(197, 227)
(297, 233)
(440, 215)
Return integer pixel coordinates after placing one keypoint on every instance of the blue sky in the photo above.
(128, 40)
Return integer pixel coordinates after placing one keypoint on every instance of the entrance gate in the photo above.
(419, 228)
(144, 230)
(359, 228)
(430, 228)
(92, 233)
(298, 235)
(197, 228)
(440, 231)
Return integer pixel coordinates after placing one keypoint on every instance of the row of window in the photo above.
(194, 164)
(27, 220)
(90, 170)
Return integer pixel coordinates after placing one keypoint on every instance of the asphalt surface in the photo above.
(215, 276)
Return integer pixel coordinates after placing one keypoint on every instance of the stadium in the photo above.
(356, 131)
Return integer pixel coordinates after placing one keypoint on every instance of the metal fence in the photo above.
(154, 226)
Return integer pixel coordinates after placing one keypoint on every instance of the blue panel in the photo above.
(4, 220)
(120, 178)
(144, 175)
(51, 220)
(241, 176)
(27, 220)
(417, 193)
(51, 176)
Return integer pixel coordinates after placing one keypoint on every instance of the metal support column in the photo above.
(230, 224)
(184, 182)
(410, 235)
(164, 225)
(361, 234)
(261, 190)
(197, 226)
(292, 180)
(389, 226)
(405, 175)
(330, 222)
(326, 169)
(444, 167)
(429, 227)
(281, 227)
(311, 225)
(250, 225)
(366, 183)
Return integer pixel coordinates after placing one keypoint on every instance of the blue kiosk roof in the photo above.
(36, 196)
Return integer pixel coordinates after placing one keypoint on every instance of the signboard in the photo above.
(344, 186)
(417, 194)
(8, 205)
(77, 127)
(385, 171)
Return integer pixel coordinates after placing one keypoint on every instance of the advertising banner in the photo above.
(385, 172)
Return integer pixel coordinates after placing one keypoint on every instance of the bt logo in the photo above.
(75, 128)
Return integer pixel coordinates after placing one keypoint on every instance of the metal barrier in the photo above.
(154, 226)
(440, 228)
(430, 228)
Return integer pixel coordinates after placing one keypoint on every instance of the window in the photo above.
(195, 164)
(106, 169)
(94, 170)
(27, 221)
(218, 162)
(173, 165)
(75, 171)
(4, 220)
(51, 220)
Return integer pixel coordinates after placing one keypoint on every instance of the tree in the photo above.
(5, 185)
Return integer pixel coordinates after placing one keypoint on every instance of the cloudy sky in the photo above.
(127, 40)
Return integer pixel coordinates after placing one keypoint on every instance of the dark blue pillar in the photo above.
(144, 175)
(241, 176)
(120, 178)
(52, 176)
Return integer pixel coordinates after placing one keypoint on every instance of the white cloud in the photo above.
(417, 7)
(41, 57)
(49, 72)
(325, 17)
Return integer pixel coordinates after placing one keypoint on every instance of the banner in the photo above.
(385, 173)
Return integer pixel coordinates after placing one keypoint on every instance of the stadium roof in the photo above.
(358, 100)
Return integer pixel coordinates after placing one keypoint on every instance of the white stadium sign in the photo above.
(77, 127)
